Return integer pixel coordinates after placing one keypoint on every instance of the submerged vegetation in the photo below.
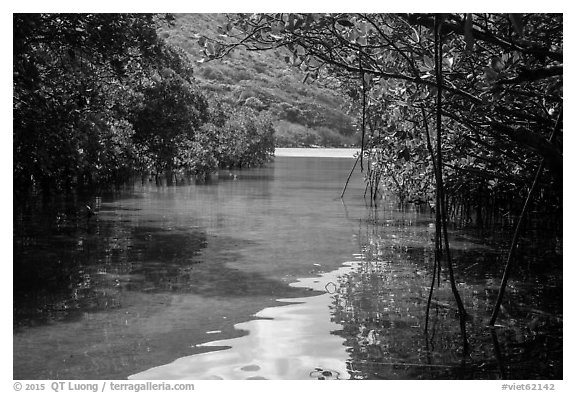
(101, 97)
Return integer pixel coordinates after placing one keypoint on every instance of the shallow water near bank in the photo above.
(266, 274)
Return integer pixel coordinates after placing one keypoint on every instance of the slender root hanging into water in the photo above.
(519, 225)
(439, 184)
(430, 295)
(349, 176)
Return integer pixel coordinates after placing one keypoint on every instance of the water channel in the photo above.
(267, 274)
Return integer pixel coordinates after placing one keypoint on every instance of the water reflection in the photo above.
(161, 269)
(293, 341)
(184, 282)
(81, 265)
(381, 305)
(375, 305)
(76, 270)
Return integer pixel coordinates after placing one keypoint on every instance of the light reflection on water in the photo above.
(293, 341)
(369, 322)
(165, 274)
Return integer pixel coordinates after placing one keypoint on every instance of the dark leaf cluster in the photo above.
(101, 97)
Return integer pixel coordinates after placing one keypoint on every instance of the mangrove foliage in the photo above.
(102, 97)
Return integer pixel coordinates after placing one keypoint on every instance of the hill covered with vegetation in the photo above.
(303, 113)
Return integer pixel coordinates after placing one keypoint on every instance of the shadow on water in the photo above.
(156, 271)
(86, 268)
(155, 289)
(68, 267)
(185, 282)
(376, 308)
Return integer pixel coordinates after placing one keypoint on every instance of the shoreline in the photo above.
(328, 152)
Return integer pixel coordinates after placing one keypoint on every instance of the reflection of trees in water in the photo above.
(381, 306)
(66, 264)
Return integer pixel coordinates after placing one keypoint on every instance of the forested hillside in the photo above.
(303, 113)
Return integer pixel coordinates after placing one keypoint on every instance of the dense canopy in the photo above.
(101, 97)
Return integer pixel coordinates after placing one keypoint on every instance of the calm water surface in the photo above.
(266, 274)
